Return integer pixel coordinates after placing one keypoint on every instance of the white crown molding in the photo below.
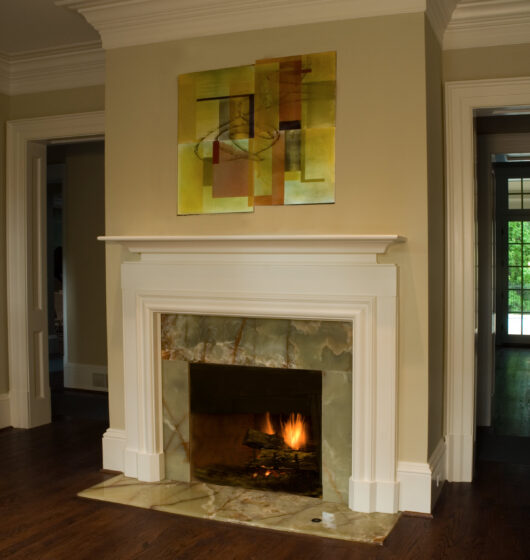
(488, 23)
(123, 23)
(439, 14)
(52, 69)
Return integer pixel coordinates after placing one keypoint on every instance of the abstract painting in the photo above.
(257, 135)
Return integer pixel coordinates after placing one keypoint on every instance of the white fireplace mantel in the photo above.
(369, 245)
(309, 277)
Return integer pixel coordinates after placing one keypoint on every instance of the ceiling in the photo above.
(29, 25)
(35, 25)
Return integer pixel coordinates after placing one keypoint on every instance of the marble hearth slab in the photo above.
(270, 510)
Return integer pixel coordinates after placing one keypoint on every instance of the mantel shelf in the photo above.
(274, 244)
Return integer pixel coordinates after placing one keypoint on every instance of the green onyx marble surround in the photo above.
(270, 510)
(279, 343)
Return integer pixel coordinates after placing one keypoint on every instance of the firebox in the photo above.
(256, 427)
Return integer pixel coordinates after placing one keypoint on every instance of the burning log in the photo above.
(304, 482)
(287, 459)
(261, 440)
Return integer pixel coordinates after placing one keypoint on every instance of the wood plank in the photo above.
(41, 470)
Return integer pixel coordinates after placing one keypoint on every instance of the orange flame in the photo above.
(267, 425)
(294, 431)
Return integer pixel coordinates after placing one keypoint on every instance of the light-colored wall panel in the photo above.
(487, 62)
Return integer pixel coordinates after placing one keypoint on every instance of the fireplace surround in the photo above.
(294, 278)
(254, 361)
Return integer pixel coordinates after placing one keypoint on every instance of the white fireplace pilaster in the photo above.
(300, 277)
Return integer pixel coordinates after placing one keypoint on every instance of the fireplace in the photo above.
(205, 300)
(256, 427)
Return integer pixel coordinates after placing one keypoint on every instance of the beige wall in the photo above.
(62, 102)
(486, 63)
(381, 169)
(29, 106)
(436, 216)
(4, 372)
(84, 255)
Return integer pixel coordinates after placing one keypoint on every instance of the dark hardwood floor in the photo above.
(41, 470)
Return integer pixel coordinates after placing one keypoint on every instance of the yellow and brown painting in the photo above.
(257, 135)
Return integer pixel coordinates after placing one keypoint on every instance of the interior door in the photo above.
(39, 401)
(512, 182)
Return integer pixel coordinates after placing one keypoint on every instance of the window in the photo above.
(519, 277)
(512, 216)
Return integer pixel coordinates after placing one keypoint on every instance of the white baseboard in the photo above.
(5, 411)
(438, 466)
(114, 450)
(81, 376)
(370, 496)
(414, 487)
(420, 484)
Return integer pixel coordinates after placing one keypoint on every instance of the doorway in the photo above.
(503, 342)
(27, 323)
(463, 100)
(76, 280)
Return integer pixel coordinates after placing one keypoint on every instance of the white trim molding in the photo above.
(488, 23)
(113, 445)
(420, 484)
(463, 100)
(238, 277)
(5, 411)
(52, 69)
(85, 376)
(126, 23)
(438, 468)
(369, 246)
(414, 486)
(439, 15)
(19, 136)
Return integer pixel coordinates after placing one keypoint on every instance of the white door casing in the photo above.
(23, 317)
(39, 401)
(462, 100)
